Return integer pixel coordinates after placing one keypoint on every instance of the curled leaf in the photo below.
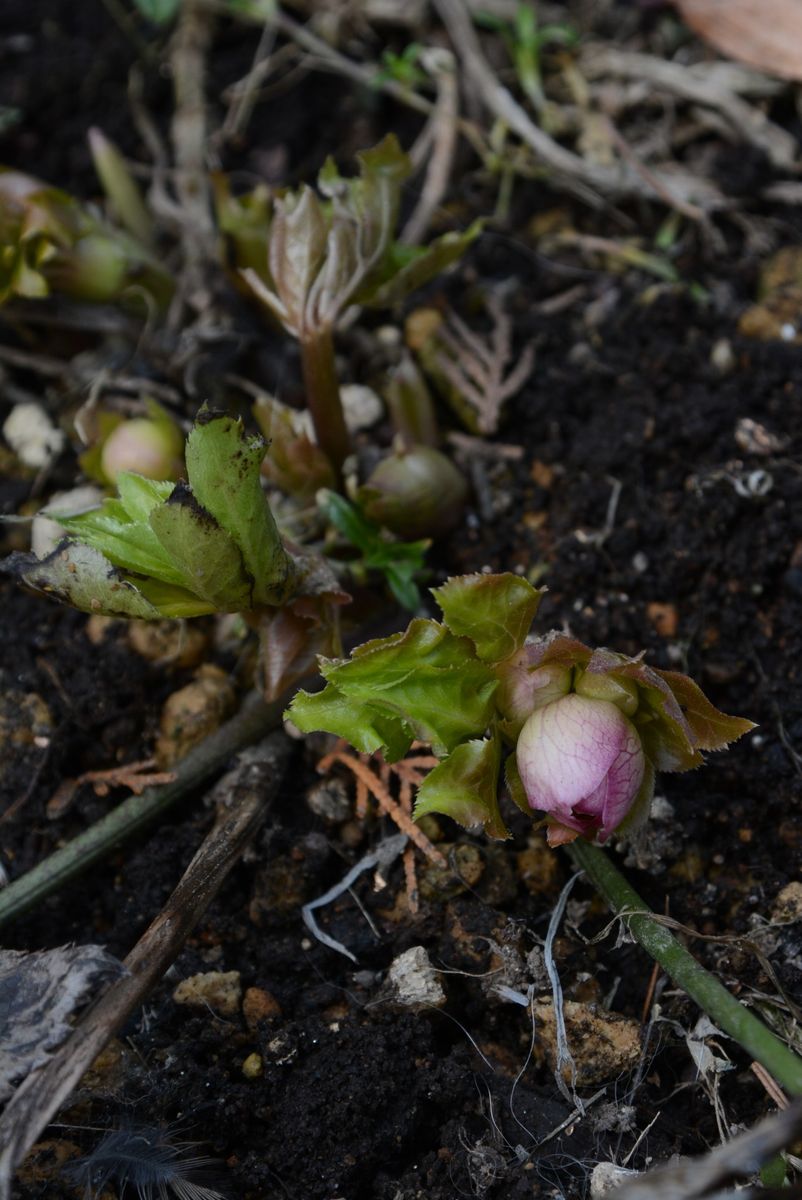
(494, 611)
(465, 787)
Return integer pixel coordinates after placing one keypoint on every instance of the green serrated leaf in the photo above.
(401, 582)
(205, 554)
(398, 561)
(223, 465)
(426, 677)
(494, 611)
(139, 495)
(130, 545)
(365, 726)
(465, 787)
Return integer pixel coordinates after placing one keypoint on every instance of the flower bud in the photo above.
(621, 692)
(581, 761)
(415, 493)
(523, 689)
(150, 448)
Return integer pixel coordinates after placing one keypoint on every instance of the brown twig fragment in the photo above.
(476, 367)
(442, 138)
(135, 776)
(770, 1084)
(363, 769)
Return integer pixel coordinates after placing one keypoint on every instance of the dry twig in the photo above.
(587, 179)
(441, 135)
(475, 366)
(373, 777)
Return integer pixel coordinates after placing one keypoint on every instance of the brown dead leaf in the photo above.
(766, 34)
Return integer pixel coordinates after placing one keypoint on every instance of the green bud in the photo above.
(415, 493)
(621, 692)
(150, 448)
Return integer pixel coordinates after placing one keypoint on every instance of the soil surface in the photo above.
(656, 522)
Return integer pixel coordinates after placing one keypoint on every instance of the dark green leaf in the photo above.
(494, 611)
(203, 552)
(465, 787)
(223, 465)
(364, 725)
(158, 11)
(424, 676)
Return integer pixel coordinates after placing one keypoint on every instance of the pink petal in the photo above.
(582, 761)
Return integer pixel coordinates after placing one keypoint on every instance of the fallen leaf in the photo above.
(766, 34)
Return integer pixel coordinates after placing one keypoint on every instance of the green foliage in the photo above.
(398, 562)
(423, 683)
(330, 251)
(159, 549)
(402, 68)
(51, 243)
(494, 611)
(158, 11)
(467, 684)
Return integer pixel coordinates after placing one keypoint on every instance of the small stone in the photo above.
(413, 982)
(258, 1005)
(664, 618)
(361, 406)
(192, 713)
(539, 867)
(604, 1045)
(329, 800)
(788, 903)
(465, 868)
(722, 356)
(32, 435)
(218, 990)
(606, 1178)
(253, 1066)
(177, 643)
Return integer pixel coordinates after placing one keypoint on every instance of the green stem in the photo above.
(728, 1013)
(323, 396)
(253, 721)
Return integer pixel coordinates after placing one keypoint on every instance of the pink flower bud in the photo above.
(581, 761)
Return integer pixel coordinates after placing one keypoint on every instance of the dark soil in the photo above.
(700, 564)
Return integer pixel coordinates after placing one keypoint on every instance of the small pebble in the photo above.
(220, 991)
(253, 1066)
(413, 982)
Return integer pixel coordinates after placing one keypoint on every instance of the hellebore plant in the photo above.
(588, 728)
(310, 259)
(51, 243)
(210, 544)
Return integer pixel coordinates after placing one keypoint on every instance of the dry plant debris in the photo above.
(764, 33)
(373, 777)
(477, 367)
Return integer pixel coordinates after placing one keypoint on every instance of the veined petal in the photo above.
(582, 761)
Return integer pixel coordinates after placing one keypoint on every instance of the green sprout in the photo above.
(164, 549)
(402, 68)
(311, 258)
(525, 40)
(399, 562)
